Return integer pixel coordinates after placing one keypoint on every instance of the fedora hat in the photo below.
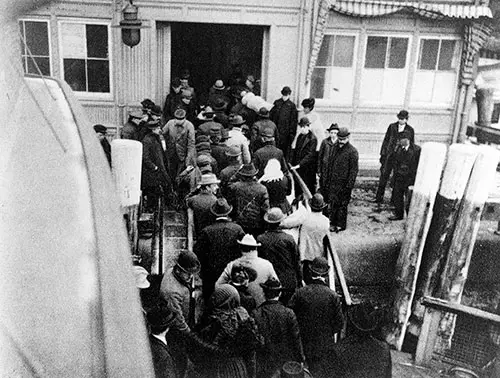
(221, 208)
(220, 105)
(249, 240)
(317, 202)
(263, 112)
(333, 126)
(237, 120)
(271, 284)
(343, 132)
(189, 262)
(274, 215)
(319, 266)
(219, 84)
(365, 316)
(209, 179)
(248, 170)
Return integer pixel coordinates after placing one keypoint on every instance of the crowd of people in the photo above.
(267, 308)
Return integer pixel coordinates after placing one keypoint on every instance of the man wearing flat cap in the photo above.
(180, 143)
(319, 314)
(285, 115)
(391, 141)
(341, 172)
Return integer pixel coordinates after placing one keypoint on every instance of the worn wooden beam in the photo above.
(427, 339)
(457, 308)
(431, 164)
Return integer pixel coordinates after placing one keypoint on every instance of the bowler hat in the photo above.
(304, 121)
(319, 266)
(249, 240)
(219, 84)
(263, 112)
(236, 120)
(365, 316)
(180, 114)
(240, 273)
(100, 129)
(286, 91)
(189, 262)
(233, 151)
(209, 179)
(203, 160)
(274, 215)
(343, 132)
(317, 202)
(220, 105)
(333, 126)
(221, 208)
(161, 316)
(403, 114)
(248, 170)
(271, 284)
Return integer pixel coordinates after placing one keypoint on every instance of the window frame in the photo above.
(49, 41)
(86, 21)
(456, 70)
(325, 102)
(362, 61)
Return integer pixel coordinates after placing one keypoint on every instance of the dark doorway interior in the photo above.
(212, 51)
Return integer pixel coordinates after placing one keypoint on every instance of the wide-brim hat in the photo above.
(249, 240)
(343, 132)
(221, 208)
(271, 284)
(319, 266)
(274, 215)
(248, 170)
(333, 126)
(209, 179)
(317, 202)
(365, 316)
(236, 120)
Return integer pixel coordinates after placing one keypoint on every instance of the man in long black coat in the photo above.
(318, 311)
(217, 245)
(343, 170)
(324, 160)
(278, 325)
(405, 163)
(304, 156)
(391, 141)
(267, 152)
(285, 115)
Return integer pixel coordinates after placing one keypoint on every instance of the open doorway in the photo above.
(213, 51)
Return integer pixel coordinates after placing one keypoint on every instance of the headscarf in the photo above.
(272, 171)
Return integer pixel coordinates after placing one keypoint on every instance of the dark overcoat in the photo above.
(282, 251)
(256, 132)
(278, 190)
(218, 152)
(154, 170)
(201, 204)
(171, 103)
(324, 160)
(250, 201)
(405, 164)
(391, 139)
(284, 114)
(264, 154)
(278, 325)
(162, 359)
(343, 168)
(306, 156)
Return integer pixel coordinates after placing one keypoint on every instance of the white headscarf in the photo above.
(272, 172)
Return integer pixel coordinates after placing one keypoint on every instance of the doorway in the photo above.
(215, 51)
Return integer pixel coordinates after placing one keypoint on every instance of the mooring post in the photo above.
(456, 174)
(430, 166)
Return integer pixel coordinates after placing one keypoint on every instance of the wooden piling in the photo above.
(432, 159)
(456, 174)
(456, 268)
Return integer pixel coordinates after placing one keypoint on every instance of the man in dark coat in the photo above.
(258, 127)
(229, 174)
(267, 152)
(305, 157)
(202, 202)
(250, 200)
(155, 178)
(217, 245)
(101, 132)
(391, 141)
(318, 311)
(136, 121)
(324, 160)
(282, 251)
(284, 114)
(172, 100)
(405, 163)
(278, 325)
(343, 170)
(160, 318)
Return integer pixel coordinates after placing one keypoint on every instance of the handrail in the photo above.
(457, 308)
(327, 243)
(303, 186)
(190, 229)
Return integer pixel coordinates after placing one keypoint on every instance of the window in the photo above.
(36, 36)
(385, 70)
(333, 75)
(85, 56)
(436, 74)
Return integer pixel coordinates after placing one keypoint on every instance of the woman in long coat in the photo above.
(278, 186)
(305, 156)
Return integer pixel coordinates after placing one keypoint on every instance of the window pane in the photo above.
(375, 52)
(344, 51)
(326, 51)
(318, 82)
(446, 55)
(21, 31)
(43, 65)
(74, 74)
(397, 53)
(37, 37)
(97, 41)
(98, 75)
(428, 54)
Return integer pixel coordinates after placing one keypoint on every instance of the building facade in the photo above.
(363, 60)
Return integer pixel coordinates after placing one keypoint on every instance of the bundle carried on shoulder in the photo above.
(254, 102)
